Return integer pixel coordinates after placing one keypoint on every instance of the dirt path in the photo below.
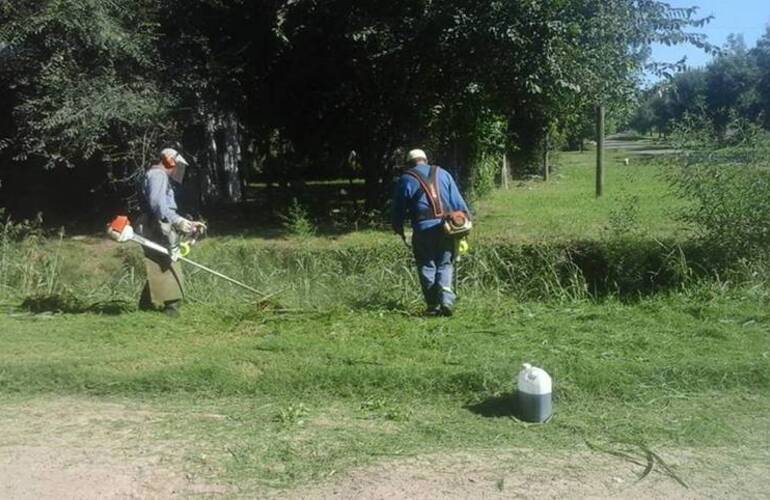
(70, 448)
(528, 474)
(644, 147)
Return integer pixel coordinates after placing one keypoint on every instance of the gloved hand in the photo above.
(189, 227)
(199, 229)
(184, 226)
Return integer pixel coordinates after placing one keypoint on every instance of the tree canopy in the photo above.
(735, 85)
(286, 90)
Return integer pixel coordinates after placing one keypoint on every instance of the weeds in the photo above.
(298, 222)
(292, 415)
(728, 184)
(374, 272)
(27, 265)
(624, 217)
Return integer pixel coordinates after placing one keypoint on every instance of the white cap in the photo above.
(416, 154)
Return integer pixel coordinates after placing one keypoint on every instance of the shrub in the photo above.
(484, 176)
(729, 185)
(297, 221)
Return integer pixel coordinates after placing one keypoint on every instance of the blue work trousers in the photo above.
(434, 252)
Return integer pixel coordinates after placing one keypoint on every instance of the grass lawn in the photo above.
(637, 197)
(253, 398)
(302, 396)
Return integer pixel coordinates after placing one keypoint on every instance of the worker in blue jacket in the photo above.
(434, 250)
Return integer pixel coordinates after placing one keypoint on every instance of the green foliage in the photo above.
(100, 86)
(732, 208)
(624, 217)
(733, 85)
(729, 185)
(297, 220)
(560, 58)
(484, 177)
(761, 54)
(83, 76)
(26, 265)
(731, 80)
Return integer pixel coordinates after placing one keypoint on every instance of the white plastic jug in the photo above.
(533, 394)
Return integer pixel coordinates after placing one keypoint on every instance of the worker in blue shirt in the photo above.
(162, 223)
(434, 250)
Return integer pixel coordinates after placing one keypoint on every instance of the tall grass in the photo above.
(539, 241)
(28, 263)
(379, 276)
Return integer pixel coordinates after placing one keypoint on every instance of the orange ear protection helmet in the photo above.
(168, 160)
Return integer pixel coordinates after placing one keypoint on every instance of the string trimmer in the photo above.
(121, 231)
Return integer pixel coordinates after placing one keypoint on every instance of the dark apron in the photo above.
(165, 282)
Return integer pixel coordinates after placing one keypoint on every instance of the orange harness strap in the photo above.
(430, 188)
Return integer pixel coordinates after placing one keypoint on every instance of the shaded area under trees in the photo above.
(287, 91)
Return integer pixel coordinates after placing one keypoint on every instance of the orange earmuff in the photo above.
(168, 161)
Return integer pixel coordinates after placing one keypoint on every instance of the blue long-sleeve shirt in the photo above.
(410, 200)
(159, 196)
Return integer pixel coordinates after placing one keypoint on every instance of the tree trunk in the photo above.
(231, 160)
(209, 178)
(220, 175)
(504, 174)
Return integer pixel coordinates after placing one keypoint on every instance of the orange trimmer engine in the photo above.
(120, 229)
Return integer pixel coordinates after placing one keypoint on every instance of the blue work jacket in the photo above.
(410, 200)
(159, 197)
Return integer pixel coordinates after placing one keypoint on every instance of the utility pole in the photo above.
(504, 174)
(599, 150)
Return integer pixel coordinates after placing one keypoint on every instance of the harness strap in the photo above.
(431, 189)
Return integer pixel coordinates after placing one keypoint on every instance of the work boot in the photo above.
(445, 310)
(171, 309)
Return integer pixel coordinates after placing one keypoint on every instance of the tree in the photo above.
(731, 86)
(80, 75)
(309, 88)
(761, 58)
(552, 59)
(730, 82)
